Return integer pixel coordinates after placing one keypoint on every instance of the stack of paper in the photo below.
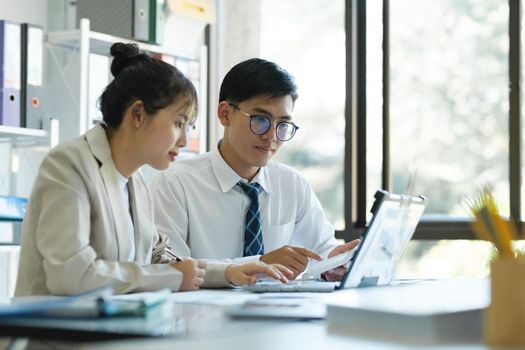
(96, 303)
(95, 315)
(429, 312)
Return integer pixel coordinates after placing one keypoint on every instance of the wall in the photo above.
(233, 38)
(30, 11)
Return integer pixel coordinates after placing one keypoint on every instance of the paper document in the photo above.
(213, 297)
(270, 306)
(328, 264)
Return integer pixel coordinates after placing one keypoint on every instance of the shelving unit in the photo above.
(23, 135)
(19, 142)
(100, 43)
(84, 42)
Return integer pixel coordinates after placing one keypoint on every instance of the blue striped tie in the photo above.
(253, 242)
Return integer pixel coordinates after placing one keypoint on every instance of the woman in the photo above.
(89, 221)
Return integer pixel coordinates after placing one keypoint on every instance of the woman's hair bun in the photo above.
(123, 55)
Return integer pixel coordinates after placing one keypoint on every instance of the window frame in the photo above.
(355, 166)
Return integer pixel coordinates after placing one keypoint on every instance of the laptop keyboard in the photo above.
(269, 285)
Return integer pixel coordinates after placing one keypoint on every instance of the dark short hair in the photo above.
(139, 76)
(256, 77)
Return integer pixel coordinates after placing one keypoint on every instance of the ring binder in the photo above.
(10, 62)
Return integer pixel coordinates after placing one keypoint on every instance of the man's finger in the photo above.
(334, 275)
(296, 266)
(308, 253)
(343, 248)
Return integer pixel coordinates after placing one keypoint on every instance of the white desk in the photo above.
(291, 336)
(206, 327)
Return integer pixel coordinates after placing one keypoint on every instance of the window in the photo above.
(444, 122)
(449, 100)
(312, 49)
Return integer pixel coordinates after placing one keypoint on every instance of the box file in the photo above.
(134, 19)
(114, 17)
(10, 72)
(157, 21)
(149, 20)
(141, 16)
(32, 113)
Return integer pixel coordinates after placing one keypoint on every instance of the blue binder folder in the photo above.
(12, 208)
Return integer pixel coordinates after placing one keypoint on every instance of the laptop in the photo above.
(394, 220)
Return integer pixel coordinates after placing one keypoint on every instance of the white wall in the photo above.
(233, 38)
(29, 11)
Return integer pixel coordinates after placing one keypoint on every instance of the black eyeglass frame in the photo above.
(252, 116)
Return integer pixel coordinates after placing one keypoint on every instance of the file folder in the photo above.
(32, 114)
(10, 72)
(141, 16)
(157, 21)
(12, 211)
(149, 20)
(12, 208)
(88, 316)
(113, 17)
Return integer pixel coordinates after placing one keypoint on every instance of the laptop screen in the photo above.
(394, 220)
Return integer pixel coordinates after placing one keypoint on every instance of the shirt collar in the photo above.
(228, 178)
(121, 180)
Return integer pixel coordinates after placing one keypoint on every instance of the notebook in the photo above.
(394, 220)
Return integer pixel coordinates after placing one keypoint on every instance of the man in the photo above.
(235, 203)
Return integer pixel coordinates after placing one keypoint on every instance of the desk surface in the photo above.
(199, 326)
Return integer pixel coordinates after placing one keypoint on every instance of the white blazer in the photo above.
(74, 231)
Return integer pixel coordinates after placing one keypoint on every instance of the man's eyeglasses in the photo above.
(260, 124)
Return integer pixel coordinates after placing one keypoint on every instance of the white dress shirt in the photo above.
(123, 182)
(201, 209)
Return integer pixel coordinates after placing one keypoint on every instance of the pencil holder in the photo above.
(505, 317)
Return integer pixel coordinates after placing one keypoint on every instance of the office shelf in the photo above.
(100, 43)
(75, 67)
(23, 136)
(84, 42)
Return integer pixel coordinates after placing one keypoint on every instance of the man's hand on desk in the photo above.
(336, 274)
(193, 273)
(294, 258)
(249, 273)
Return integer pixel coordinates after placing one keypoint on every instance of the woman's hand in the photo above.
(193, 273)
(249, 273)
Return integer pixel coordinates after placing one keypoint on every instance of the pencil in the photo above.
(479, 228)
(499, 239)
(503, 233)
